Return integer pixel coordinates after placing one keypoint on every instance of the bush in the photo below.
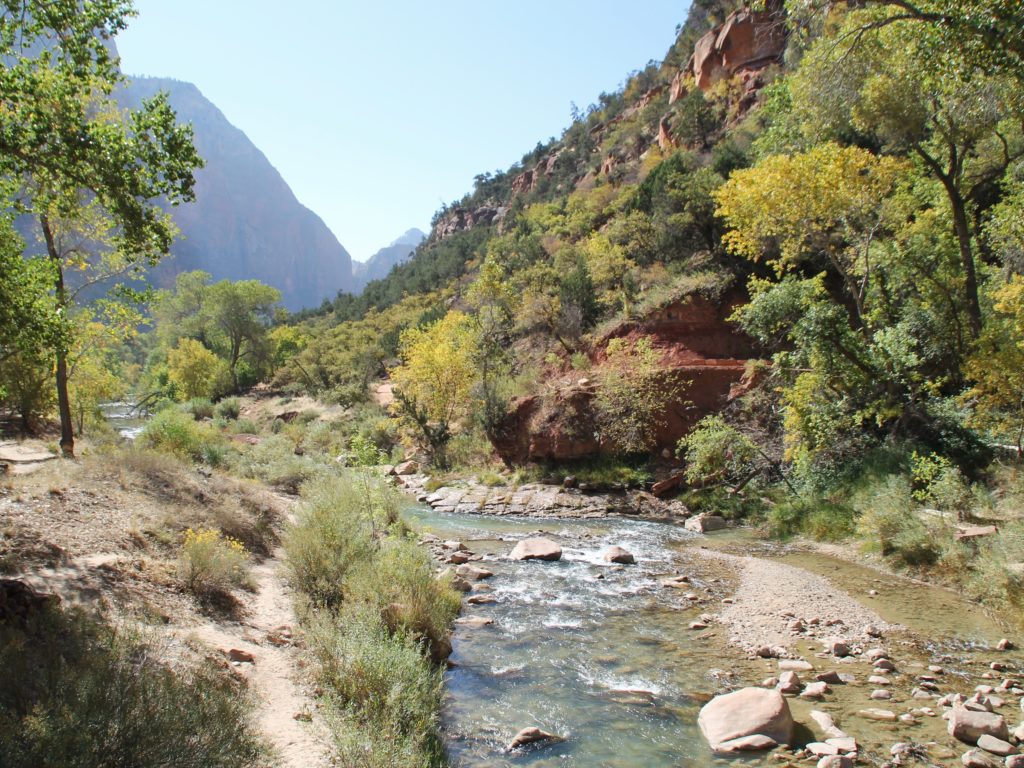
(382, 691)
(245, 427)
(77, 694)
(229, 408)
(211, 563)
(174, 432)
(335, 528)
(274, 462)
(399, 582)
(890, 525)
(717, 452)
(200, 408)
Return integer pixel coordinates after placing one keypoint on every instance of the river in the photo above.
(601, 655)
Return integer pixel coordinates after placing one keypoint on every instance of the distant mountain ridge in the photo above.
(383, 261)
(246, 222)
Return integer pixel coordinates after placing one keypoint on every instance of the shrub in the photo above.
(211, 563)
(889, 523)
(329, 535)
(245, 427)
(717, 452)
(77, 694)
(229, 408)
(399, 582)
(174, 432)
(382, 691)
(274, 462)
(200, 408)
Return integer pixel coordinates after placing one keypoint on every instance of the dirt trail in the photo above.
(275, 678)
(265, 629)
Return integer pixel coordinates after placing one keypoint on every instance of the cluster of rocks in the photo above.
(537, 500)
(758, 718)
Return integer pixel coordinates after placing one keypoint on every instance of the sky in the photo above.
(376, 113)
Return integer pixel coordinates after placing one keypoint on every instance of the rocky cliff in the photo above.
(700, 350)
(386, 259)
(246, 222)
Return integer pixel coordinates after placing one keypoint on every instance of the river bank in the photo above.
(616, 660)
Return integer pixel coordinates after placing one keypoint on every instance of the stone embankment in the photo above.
(536, 500)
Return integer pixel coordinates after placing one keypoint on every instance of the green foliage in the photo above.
(78, 694)
(230, 319)
(274, 461)
(715, 451)
(175, 432)
(88, 178)
(383, 696)
(229, 408)
(890, 524)
(200, 408)
(605, 472)
(631, 396)
(377, 617)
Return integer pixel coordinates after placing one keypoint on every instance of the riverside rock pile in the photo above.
(555, 501)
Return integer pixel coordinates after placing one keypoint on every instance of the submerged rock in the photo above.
(530, 736)
(746, 712)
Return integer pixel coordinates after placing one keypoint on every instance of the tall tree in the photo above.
(880, 77)
(68, 155)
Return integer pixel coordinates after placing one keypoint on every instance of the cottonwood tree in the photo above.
(69, 156)
(880, 76)
(434, 384)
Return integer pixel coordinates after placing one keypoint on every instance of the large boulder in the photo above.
(704, 523)
(536, 549)
(743, 713)
(968, 725)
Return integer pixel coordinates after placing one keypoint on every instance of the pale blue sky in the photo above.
(376, 113)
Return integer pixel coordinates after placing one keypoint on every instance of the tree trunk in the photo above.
(67, 429)
(963, 235)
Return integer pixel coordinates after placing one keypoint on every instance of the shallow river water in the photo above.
(601, 655)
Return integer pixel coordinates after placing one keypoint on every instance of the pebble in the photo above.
(815, 690)
(881, 694)
(879, 680)
(796, 665)
(836, 761)
(1004, 645)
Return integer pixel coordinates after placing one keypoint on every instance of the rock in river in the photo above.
(618, 555)
(530, 736)
(536, 549)
(746, 712)
(969, 726)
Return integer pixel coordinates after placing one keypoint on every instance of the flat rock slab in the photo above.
(22, 454)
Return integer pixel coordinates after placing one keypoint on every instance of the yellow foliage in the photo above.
(194, 370)
(437, 371)
(211, 561)
(800, 201)
(997, 366)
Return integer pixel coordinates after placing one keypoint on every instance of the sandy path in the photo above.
(275, 678)
(770, 596)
